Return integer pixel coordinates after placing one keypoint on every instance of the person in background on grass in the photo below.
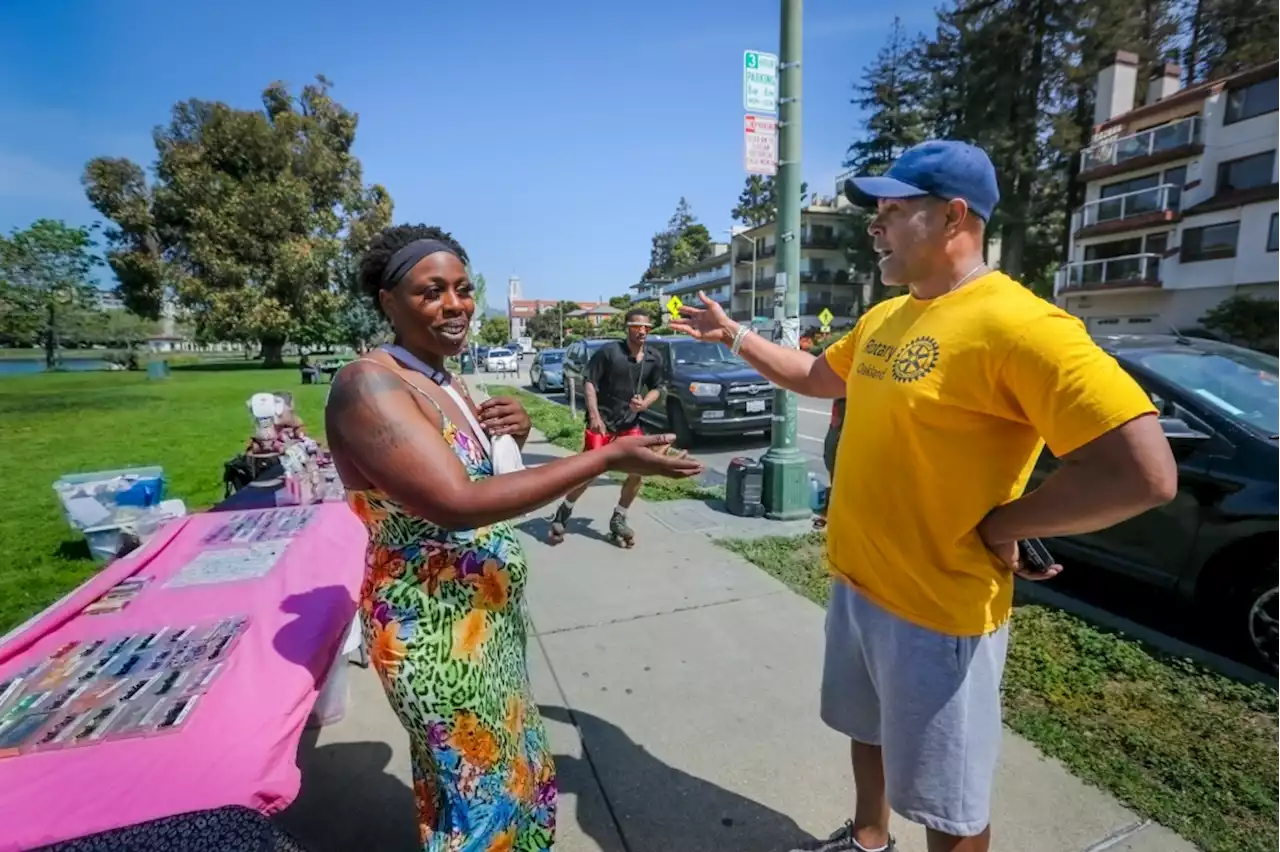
(952, 389)
(622, 380)
(441, 606)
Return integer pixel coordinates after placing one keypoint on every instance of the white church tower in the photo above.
(513, 296)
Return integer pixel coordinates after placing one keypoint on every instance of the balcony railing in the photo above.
(1113, 270)
(1167, 137)
(821, 276)
(820, 241)
(705, 283)
(814, 307)
(1130, 205)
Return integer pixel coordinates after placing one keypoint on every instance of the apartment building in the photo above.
(741, 274)
(651, 288)
(1181, 200)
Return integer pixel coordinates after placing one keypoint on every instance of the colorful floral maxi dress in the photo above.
(443, 618)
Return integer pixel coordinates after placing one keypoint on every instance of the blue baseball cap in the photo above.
(942, 168)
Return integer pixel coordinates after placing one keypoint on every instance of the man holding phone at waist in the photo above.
(953, 390)
(623, 378)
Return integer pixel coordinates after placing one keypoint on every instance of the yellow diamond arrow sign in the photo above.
(825, 318)
(674, 305)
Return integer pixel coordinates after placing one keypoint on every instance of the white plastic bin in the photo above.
(335, 692)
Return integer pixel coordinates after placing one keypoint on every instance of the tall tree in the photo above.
(889, 94)
(1225, 36)
(693, 245)
(682, 242)
(494, 331)
(548, 324)
(755, 202)
(44, 274)
(758, 203)
(480, 293)
(247, 221)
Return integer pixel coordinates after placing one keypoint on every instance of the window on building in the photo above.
(1113, 249)
(1133, 197)
(1212, 242)
(1246, 172)
(1174, 178)
(1273, 239)
(1253, 100)
(1125, 187)
(1136, 258)
(1148, 244)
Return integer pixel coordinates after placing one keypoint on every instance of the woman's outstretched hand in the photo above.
(709, 322)
(650, 455)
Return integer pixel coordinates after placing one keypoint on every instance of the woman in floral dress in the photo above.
(442, 600)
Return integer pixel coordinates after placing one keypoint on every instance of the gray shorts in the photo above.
(931, 701)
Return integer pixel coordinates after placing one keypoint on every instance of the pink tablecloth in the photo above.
(240, 745)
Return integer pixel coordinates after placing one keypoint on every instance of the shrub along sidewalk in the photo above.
(564, 430)
(1190, 749)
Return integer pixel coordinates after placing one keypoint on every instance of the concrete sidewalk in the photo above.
(680, 687)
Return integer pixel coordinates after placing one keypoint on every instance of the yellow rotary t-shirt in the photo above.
(950, 401)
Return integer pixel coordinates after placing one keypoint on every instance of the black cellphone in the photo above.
(1035, 556)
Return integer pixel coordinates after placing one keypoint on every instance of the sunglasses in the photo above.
(639, 325)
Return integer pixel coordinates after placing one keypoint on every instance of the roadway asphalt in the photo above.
(716, 452)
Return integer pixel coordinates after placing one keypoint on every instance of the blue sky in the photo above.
(552, 139)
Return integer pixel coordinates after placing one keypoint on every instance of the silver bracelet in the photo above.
(738, 338)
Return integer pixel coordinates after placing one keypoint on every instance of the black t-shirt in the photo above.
(618, 377)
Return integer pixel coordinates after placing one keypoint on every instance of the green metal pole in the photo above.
(786, 492)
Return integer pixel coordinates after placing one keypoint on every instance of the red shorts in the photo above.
(594, 440)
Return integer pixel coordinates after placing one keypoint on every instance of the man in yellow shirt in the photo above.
(953, 389)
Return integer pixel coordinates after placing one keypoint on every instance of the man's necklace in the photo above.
(972, 272)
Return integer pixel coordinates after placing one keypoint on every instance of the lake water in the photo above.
(16, 367)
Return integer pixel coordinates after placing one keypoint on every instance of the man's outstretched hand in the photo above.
(709, 323)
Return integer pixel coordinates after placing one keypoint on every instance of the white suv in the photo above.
(501, 361)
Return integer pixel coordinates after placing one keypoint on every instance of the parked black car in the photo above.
(710, 391)
(576, 357)
(832, 440)
(1215, 544)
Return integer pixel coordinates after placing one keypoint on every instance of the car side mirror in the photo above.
(1182, 438)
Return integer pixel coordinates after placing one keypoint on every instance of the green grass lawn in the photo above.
(564, 430)
(1188, 748)
(58, 423)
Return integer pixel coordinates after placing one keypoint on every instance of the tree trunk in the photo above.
(1192, 55)
(272, 351)
(51, 339)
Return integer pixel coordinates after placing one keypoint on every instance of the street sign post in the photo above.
(786, 471)
(825, 318)
(674, 305)
(759, 81)
(760, 145)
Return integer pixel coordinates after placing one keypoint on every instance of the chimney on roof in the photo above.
(1117, 86)
(1166, 79)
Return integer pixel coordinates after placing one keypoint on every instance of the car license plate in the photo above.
(755, 406)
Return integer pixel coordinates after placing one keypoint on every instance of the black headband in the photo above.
(407, 258)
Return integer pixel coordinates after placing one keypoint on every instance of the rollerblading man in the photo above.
(623, 379)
